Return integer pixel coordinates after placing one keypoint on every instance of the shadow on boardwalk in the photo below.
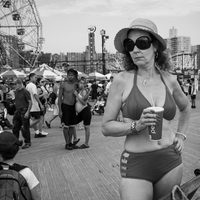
(92, 173)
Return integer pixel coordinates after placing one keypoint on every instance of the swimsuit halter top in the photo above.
(136, 102)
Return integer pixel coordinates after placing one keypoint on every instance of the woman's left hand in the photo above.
(75, 93)
(179, 145)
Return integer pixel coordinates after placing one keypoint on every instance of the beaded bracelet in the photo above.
(181, 134)
(133, 128)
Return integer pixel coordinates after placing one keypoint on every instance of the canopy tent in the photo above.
(12, 74)
(46, 74)
(7, 67)
(96, 75)
(63, 74)
(109, 75)
(82, 74)
(47, 68)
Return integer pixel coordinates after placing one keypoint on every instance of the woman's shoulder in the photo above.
(170, 79)
(169, 76)
(123, 76)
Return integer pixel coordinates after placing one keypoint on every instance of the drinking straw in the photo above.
(152, 100)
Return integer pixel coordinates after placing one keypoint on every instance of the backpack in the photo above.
(13, 186)
(52, 98)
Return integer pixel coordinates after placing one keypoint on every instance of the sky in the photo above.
(66, 22)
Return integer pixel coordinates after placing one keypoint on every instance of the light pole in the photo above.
(183, 64)
(104, 38)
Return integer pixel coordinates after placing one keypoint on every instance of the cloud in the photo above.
(128, 8)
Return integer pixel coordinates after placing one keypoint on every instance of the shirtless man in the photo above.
(67, 113)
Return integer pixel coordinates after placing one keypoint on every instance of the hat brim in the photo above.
(122, 35)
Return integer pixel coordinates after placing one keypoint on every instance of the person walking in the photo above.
(67, 112)
(55, 105)
(36, 105)
(21, 116)
(149, 169)
(193, 93)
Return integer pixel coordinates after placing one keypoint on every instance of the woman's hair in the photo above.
(81, 80)
(10, 153)
(162, 59)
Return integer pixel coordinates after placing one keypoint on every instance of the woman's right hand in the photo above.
(148, 118)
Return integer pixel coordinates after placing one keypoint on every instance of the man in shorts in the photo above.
(36, 105)
(67, 112)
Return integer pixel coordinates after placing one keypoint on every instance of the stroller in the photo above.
(98, 107)
(4, 122)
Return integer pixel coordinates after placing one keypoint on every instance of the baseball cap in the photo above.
(8, 140)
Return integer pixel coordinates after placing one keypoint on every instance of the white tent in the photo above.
(48, 72)
(12, 74)
(96, 75)
(82, 74)
(109, 75)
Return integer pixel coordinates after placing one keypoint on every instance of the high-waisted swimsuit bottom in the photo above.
(150, 166)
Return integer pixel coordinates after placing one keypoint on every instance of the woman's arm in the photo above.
(1, 94)
(35, 194)
(110, 125)
(81, 99)
(86, 96)
(183, 105)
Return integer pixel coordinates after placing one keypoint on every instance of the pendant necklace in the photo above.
(146, 80)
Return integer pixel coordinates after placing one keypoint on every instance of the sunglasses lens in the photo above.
(143, 43)
(128, 45)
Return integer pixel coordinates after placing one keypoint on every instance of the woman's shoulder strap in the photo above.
(135, 78)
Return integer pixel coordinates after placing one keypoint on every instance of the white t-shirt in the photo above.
(194, 89)
(31, 87)
(108, 87)
(30, 178)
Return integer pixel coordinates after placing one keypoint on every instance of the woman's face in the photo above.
(142, 57)
(81, 84)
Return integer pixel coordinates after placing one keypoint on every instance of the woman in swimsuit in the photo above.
(149, 169)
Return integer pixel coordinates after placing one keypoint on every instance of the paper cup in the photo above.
(155, 132)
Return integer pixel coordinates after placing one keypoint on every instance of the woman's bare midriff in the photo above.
(142, 143)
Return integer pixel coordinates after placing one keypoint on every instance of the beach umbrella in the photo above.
(12, 74)
(97, 75)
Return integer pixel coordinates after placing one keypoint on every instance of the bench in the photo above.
(185, 191)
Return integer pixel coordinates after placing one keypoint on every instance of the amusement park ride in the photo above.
(20, 33)
(185, 63)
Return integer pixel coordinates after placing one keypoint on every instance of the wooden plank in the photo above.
(93, 173)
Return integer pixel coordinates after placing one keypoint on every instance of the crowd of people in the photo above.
(27, 101)
(149, 169)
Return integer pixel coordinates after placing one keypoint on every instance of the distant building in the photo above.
(179, 44)
(173, 33)
(179, 48)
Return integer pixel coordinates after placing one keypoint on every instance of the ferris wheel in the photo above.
(20, 33)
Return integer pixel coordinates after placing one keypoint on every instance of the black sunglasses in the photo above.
(141, 43)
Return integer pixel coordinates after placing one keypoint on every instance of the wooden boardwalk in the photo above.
(92, 174)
